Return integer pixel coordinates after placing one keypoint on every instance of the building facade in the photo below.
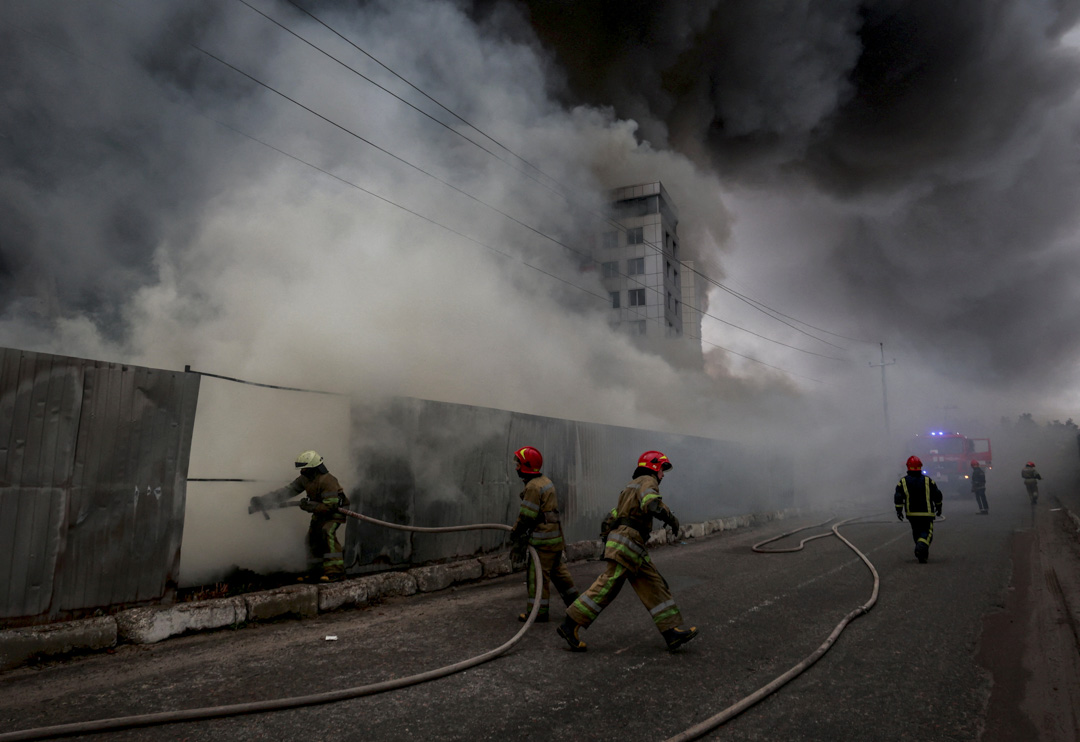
(652, 291)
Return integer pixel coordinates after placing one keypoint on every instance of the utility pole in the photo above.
(884, 396)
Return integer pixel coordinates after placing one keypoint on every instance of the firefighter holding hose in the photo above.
(625, 532)
(324, 496)
(917, 496)
(538, 526)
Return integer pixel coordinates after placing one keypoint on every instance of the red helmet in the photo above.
(1030, 463)
(914, 463)
(974, 463)
(654, 460)
(529, 460)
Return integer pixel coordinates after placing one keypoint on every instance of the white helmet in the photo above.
(308, 460)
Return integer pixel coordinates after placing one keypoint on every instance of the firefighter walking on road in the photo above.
(918, 498)
(326, 560)
(1031, 480)
(978, 486)
(538, 525)
(625, 532)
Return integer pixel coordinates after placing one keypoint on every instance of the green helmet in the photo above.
(308, 460)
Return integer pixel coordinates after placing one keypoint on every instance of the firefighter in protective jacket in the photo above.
(324, 496)
(538, 526)
(918, 497)
(625, 532)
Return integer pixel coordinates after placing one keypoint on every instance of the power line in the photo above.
(480, 201)
(760, 306)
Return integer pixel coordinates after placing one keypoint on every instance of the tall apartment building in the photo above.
(641, 268)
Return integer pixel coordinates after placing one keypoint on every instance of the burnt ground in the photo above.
(1032, 646)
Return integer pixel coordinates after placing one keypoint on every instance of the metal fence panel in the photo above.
(434, 463)
(93, 470)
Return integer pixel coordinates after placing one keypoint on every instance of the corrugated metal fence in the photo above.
(93, 469)
(433, 464)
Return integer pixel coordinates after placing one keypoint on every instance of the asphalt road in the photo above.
(913, 668)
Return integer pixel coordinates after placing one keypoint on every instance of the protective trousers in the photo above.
(980, 498)
(325, 553)
(554, 573)
(922, 529)
(1032, 489)
(649, 585)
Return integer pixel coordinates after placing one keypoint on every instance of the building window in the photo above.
(670, 300)
(637, 297)
(610, 269)
(674, 250)
(611, 239)
(638, 327)
(635, 266)
(635, 236)
(614, 299)
(677, 307)
(667, 267)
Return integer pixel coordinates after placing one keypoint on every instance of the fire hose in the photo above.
(735, 709)
(280, 704)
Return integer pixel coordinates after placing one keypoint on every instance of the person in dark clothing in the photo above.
(918, 498)
(978, 486)
(1031, 478)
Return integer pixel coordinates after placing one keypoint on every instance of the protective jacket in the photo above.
(978, 479)
(538, 517)
(917, 494)
(323, 490)
(1030, 474)
(626, 529)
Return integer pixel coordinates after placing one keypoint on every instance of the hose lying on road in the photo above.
(730, 712)
(280, 704)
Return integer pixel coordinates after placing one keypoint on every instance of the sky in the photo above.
(249, 187)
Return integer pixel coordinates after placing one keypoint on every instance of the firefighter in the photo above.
(978, 486)
(1031, 481)
(918, 497)
(625, 532)
(538, 526)
(326, 561)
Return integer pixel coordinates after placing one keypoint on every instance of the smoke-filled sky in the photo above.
(191, 183)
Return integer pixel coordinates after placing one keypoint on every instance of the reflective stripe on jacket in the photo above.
(539, 515)
(917, 494)
(634, 514)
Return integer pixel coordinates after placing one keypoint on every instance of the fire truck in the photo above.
(947, 457)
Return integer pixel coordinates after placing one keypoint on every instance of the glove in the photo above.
(674, 523)
(308, 506)
(900, 515)
(255, 505)
(938, 510)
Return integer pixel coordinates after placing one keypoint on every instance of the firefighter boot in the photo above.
(568, 630)
(922, 551)
(675, 638)
(540, 617)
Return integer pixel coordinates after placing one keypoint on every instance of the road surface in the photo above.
(974, 645)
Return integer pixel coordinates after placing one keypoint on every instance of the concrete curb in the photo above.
(149, 625)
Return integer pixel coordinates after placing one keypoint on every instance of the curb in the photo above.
(149, 625)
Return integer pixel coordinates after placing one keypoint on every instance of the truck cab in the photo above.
(947, 457)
